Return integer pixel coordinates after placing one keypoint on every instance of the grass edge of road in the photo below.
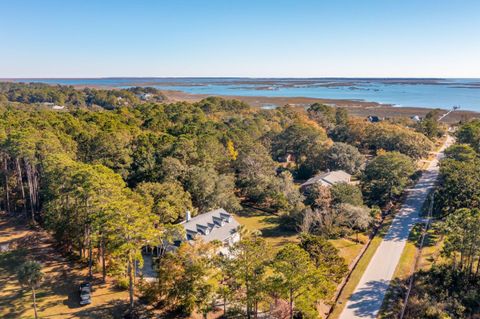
(360, 268)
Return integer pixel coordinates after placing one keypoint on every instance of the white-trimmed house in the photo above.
(215, 225)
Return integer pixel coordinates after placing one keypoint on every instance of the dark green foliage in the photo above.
(459, 185)
(324, 115)
(452, 290)
(299, 281)
(392, 137)
(41, 93)
(68, 95)
(261, 185)
(214, 104)
(148, 93)
(430, 126)
(169, 200)
(461, 152)
(382, 136)
(386, 176)
(342, 156)
(443, 292)
(105, 181)
(344, 193)
(30, 275)
(460, 172)
(469, 133)
(306, 142)
(325, 256)
(210, 190)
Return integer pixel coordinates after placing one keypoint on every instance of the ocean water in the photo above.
(441, 93)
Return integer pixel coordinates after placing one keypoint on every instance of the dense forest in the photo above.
(115, 170)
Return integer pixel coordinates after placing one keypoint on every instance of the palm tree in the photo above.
(30, 275)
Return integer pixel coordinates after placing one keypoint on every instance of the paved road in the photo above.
(366, 300)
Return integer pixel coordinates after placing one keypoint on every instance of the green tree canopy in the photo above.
(298, 280)
(461, 152)
(342, 156)
(344, 193)
(469, 133)
(386, 176)
(170, 201)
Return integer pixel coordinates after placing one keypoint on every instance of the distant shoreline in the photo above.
(359, 108)
(354, 107)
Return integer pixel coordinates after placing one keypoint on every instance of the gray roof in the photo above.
(329, 178)
(214, 225)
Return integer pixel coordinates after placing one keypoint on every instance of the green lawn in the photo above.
(348, 248)
(269, 226)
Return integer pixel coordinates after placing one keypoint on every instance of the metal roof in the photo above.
(214, 225)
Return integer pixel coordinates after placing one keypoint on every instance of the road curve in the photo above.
(367, 298)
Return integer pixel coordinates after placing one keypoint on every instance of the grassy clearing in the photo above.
(270, 227)
(348, 248)
(360, 268)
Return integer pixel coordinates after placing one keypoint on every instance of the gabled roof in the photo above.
(219, 224)
(329, 178)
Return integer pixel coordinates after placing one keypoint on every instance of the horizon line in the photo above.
(235, 77)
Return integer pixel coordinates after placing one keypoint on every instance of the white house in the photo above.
(214, 225)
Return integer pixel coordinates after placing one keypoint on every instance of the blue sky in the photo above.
(257, 38)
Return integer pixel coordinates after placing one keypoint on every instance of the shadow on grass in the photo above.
(276, 229)
(431, 237)
(114, 309)
(14, 305)
(252, 212)
(9, 262)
